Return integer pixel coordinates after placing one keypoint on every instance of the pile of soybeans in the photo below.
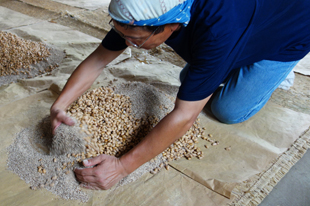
(18, 57)
(17, 53)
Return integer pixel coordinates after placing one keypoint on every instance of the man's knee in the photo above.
(228, 114)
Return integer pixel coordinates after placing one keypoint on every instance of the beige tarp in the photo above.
(256, 145)
(87, 4)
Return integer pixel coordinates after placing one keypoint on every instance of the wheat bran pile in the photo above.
(29, 157)
(109, 121)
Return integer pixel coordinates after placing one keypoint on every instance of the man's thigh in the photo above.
(248, 89)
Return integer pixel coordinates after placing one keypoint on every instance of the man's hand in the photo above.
(59, 116)
(107, 171)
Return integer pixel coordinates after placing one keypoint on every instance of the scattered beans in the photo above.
(228, 148)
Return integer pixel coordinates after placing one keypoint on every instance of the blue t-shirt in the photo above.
(224, 35)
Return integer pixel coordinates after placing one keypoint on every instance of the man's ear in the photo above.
(174, 26)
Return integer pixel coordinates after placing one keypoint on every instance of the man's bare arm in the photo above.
(167, 131)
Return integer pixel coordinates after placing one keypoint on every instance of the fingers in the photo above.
(58, 117)
(87, 181)
(90, 186)
(106, 173)
(55, 126)
(84, 176)
(94, 161)
(68, 121)
(88, 178)
(85, 171)
(61, 116)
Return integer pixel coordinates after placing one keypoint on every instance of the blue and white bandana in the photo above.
(151, 12)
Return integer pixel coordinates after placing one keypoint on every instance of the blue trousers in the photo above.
(247, 89)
